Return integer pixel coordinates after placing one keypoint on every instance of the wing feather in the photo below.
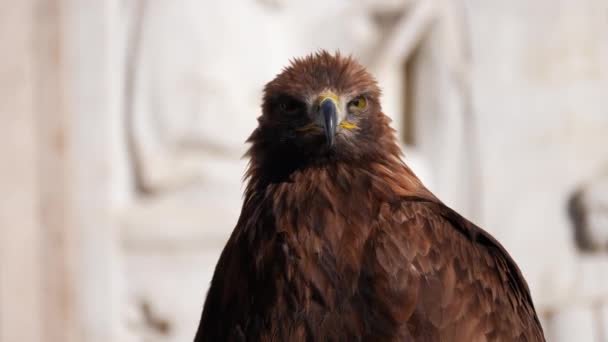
(455, 281)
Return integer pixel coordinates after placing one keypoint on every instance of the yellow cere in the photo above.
(348, 125)
(307, 128)
(329, 95)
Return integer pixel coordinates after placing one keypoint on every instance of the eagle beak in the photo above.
(329, 115)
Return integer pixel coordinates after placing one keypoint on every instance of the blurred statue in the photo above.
(588, 209)
(196, 75)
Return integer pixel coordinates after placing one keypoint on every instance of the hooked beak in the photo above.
(329, 115)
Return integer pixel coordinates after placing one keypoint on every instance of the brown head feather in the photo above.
(278, 149)
(312, 74)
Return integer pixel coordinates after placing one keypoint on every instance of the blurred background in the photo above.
(120, 183)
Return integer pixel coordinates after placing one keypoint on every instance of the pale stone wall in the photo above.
(19, 227)
(540, 79)
(38, 240)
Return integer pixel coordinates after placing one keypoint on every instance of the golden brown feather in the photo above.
(342, 242)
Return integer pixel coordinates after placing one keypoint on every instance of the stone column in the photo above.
(37, 236)
(92, 53)
(20, 300)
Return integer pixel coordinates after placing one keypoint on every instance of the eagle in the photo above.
(338, 240)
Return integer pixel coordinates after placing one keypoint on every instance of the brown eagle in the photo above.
(338, 240)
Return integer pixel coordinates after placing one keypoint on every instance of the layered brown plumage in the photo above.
(342, 242)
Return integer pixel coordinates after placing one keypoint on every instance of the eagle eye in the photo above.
(289, 106)
(357, 104)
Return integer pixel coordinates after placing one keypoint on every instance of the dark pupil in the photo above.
(289, 106)
(356, 103)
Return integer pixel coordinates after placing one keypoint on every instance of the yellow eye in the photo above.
(359, 103)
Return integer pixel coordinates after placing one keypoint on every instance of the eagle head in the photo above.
(320, 108)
